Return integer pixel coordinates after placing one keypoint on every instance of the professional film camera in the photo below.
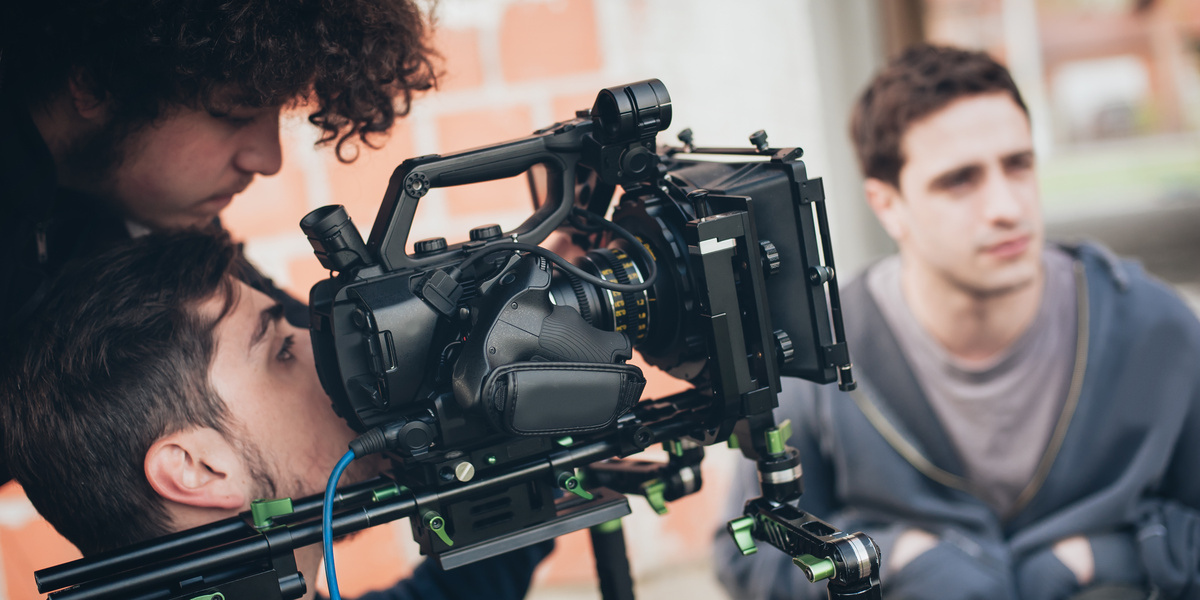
(493, 372)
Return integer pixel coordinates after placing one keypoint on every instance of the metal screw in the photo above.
(464, 471)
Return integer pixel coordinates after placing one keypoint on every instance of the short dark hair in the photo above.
(116, 357)
(350, 59)
(921, 81)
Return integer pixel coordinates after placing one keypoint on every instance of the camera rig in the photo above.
(493, 372)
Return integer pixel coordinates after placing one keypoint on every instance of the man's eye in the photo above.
(285, 353)
(234, 120)
(959, 180)
(1021, 162)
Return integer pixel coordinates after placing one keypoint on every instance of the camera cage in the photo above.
(715, 214)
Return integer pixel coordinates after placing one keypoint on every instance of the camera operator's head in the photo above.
(944, 141)
(168, 109)
(157, 392)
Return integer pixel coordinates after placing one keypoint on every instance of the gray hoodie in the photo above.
(1123, 467)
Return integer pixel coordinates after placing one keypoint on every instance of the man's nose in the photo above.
(1003, 203)
(260, 151)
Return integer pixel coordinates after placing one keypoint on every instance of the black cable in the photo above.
(624, 288)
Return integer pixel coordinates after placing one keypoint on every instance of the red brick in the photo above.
(28, 548)
(571, 562)
(461, 131)
(658, 383)
(693, 519)
(303, 272)
(360, 185)
(565, 106)
(271, 205)
(370, 560)
(462, 67)
(540, 40)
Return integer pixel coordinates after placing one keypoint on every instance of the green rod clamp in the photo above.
(569, 482)
(608, 526)
(264, 511)
(653, 491)
(815, 569)
(437, 525)
(386, 492)
(742, 530)
(777, 437)
(216, 596)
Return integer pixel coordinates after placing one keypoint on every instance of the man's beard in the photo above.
(985, 292)
(89, 161)
(260, 471)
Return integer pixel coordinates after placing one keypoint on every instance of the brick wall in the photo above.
(512, 66)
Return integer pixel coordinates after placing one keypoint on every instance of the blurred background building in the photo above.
(1114, 87)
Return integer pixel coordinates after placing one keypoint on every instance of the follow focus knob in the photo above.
(783, 347)
(770, 257)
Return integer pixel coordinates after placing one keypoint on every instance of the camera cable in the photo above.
(564, 264)
(327, 523)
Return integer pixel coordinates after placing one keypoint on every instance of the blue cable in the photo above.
(327, 523)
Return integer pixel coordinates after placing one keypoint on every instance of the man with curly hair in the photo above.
(1027, 422)
(128, 115)
(125, 117)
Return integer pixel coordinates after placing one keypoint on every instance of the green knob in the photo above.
(653, 490)
(216, 596)
(815, 569)
(777, 438)
(733, 442)
(437, 525)
(565, 441)
(264, 511)
(568, 481)
(742, 530)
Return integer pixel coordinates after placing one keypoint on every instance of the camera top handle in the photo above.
(617, 143)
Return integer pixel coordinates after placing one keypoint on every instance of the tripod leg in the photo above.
(612, 564)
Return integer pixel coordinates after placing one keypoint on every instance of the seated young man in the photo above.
(1028, 414)
(156, 392)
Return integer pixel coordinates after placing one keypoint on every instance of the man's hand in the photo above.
(1076, 553)
(909, 545)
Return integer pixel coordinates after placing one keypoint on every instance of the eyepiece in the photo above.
(334, 238)
(632, 112)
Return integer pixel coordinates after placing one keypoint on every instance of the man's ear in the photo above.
(86, 103)
(197, 467)
(888, 205)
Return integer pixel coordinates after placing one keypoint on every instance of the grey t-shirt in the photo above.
(999, 415)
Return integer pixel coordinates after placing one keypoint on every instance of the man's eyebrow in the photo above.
(265, 318)
(947, 178)
(1019, 155)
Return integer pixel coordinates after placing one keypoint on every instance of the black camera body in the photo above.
(479, 356)
(493, 372)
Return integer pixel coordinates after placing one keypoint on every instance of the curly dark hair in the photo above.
(358, 63)
(921, 81)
